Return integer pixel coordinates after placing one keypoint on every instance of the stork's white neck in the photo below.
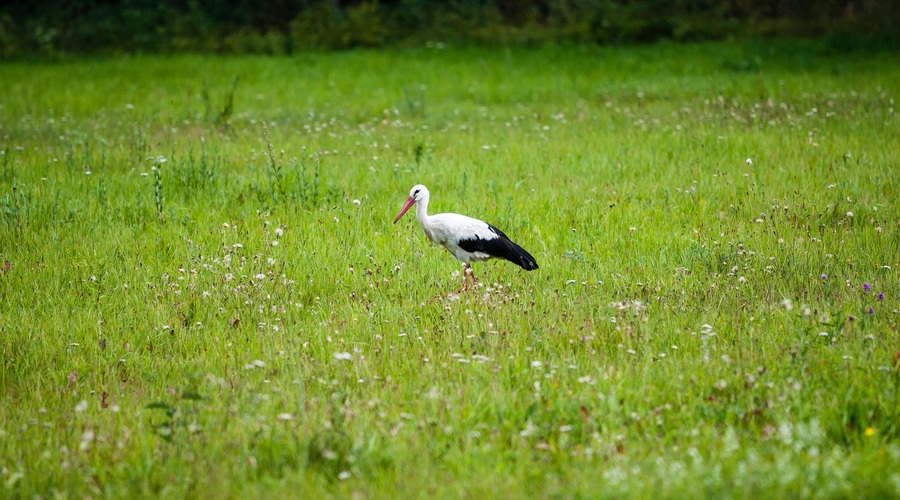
(422, 212)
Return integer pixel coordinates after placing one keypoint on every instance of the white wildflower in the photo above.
(86, 439)
(530, 429)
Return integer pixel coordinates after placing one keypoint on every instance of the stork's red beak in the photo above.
(409, 202)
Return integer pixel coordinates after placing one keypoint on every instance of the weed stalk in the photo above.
(275, 182)
(16, 207)
(228, 108)
(7, 168)
(158, 187)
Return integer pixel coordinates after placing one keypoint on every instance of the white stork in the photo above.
(466, 238)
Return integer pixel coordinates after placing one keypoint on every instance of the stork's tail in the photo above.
(515, 254)
(500, 247)
(520, 257)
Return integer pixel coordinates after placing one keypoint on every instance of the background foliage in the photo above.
(202, 294)
(286, 26)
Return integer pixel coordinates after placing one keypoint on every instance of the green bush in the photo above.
(276, 27)
(324, 26)
(641, 23)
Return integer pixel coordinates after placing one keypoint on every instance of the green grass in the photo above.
(180, 327)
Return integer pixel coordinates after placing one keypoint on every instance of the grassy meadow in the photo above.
(202, 293)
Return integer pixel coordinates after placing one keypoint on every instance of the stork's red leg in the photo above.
(467, 270)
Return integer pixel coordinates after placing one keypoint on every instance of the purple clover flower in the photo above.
(823, 277)
(880, 296)
(867, 287)
(871, 311)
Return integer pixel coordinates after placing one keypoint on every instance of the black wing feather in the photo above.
(501, 247)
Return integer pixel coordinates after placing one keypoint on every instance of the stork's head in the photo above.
(417, 193)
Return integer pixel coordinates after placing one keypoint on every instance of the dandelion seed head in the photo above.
(529, 429)
(86, 439)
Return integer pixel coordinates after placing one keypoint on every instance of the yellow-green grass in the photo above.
(208, 300)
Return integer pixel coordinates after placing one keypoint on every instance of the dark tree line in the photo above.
(284, 26)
